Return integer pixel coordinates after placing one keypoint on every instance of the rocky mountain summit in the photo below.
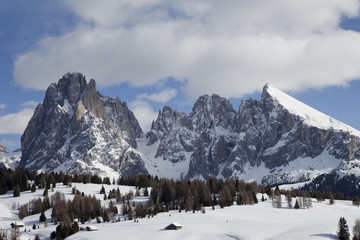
(273, 140)
(76, 129)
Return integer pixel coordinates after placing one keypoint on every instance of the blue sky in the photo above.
(155, 53)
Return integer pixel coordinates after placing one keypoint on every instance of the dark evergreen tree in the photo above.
(146, 192)
(53, 235)
(356, 201)
(356, 230)
(33, 188)
(42, 217)
(277, 191)
(74, 228)
(331, 199)
(16, 191)
(102, 190)
(37, 237)
(343, 230)
(296, 206)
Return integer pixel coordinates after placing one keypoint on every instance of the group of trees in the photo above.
(17, 180)
(13, 180)
(165, 195)
(35, 206)
(84, 207)
(13, 234)
(194, 195)
(64, 230)
(343, 232)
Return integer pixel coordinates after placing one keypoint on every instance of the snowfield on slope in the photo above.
(257, 222)
(311, 116)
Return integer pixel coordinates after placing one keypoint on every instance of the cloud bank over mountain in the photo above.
(230, 48)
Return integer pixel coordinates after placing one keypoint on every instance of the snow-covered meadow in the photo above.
(260, 221)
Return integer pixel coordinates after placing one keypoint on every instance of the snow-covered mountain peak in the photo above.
(275, 140)
(76, 129)
(311, 116)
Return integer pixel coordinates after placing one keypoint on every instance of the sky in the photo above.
(152, 53)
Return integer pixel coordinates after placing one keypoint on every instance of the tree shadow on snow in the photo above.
(325, 235)
(233, 237)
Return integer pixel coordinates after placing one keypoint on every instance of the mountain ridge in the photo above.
(273, 140)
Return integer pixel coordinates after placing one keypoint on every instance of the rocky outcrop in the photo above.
(76, 129)
(263, 140)
(273, 140)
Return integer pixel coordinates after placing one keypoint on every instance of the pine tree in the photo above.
(33, 188)
(356, 230)
(16, 191)
(331, 199)
(102, 190)
(296, 206)
(343, 230)
(37, 237)
(42, 217)
(356, 201)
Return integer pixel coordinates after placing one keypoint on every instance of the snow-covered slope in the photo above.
(311, 116)
(274, 140)
(256, 222)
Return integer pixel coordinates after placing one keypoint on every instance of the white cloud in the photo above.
(15, 123)
(160, 97)
(143, 113)
(2, 106)
(230, 48)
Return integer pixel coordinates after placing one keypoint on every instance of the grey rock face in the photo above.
(262, 134)
(76, 129)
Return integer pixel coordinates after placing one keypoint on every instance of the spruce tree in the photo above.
(42, 217)
(356, 230)
(16, 191)
(296, 206)
(343, 230)
(33, 188)
(331, 199)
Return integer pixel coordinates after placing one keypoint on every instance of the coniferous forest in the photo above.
(163, 195)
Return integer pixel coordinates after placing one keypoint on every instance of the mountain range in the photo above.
(274, 140)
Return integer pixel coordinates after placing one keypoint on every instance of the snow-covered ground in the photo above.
(260, 221)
